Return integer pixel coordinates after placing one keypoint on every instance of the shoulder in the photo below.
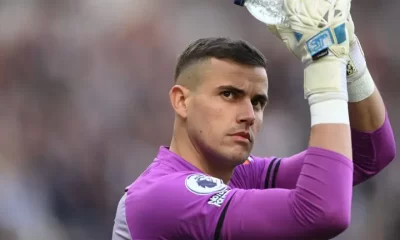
(175, 204)
(172, 188)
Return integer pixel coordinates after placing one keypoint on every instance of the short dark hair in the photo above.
(221, 48)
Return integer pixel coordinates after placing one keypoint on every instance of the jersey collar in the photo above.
(173, 160)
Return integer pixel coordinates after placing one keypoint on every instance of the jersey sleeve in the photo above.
(372, 152)
(264, 173)
(195, 206)
(252, 174)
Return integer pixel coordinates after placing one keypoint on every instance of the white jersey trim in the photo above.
(121, 230)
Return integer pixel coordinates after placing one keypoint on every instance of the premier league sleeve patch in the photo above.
(201, 184)
(218, 198)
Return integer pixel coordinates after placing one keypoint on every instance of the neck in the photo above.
(211, 165)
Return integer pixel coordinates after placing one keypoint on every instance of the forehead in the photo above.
(225, 72)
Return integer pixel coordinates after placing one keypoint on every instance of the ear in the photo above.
(178, 96)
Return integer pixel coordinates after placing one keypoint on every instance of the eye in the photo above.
(228, 94)
(258, 103)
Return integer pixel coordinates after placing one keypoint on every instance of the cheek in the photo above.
(208, 116)
(258, 124)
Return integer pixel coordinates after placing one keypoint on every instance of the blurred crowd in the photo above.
(84, 105)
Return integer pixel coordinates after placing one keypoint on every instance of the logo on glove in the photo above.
(320, 43)
(350, 69)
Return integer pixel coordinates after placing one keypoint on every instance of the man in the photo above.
(205, 185)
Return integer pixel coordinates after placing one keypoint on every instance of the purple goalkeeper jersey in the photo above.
(305, 196)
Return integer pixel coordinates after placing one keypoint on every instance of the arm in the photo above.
(374, 146)
(368, 115)
(372, 152)
(373, 141)
(319, 208)
(266, 214)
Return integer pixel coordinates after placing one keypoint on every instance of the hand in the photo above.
(318, 36)
(315, 27)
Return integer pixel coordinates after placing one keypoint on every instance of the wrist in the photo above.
(325, 79)
(361, 88)
(325, 87)
(333, 111)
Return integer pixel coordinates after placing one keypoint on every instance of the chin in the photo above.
(239, 156)
(243, 151)
(234, 155)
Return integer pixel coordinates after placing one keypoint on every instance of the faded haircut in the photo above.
(238, 51)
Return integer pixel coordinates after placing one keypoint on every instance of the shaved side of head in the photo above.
(192, 75)
(193, 61)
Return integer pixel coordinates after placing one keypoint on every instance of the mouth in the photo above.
(242, 136)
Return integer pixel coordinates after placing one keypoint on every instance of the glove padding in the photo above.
(315, 26)
(319, 37)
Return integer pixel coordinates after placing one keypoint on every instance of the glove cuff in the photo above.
(325, 79)
(359, 81)
(361, 88)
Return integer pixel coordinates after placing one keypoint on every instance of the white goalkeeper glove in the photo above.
(360, 84)
(319, 37)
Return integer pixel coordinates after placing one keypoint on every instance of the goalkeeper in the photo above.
(206, 184)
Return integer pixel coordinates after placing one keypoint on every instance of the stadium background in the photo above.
(84, 105)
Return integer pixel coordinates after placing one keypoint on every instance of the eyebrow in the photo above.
(260, 96)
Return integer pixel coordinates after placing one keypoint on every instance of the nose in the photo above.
(246, 113)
